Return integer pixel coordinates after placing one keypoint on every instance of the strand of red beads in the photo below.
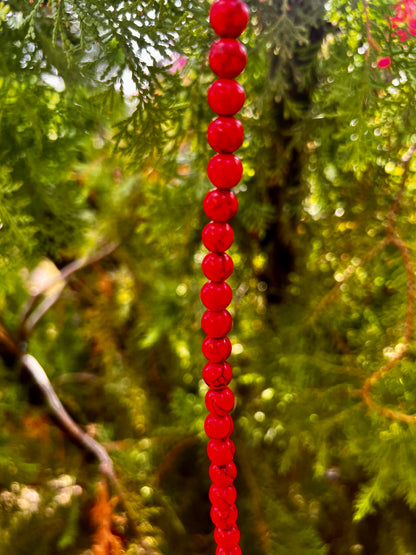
(227, 59)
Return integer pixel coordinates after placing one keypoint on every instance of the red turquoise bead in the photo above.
(216, 323)
(225, 170)
(220, 402)
(217, 237)
(223, 475)
(229, 18)
(216, 350)
(225, 134)
(223, 498)
(217, 267)
(227, 58)
(224, 519)
(217, 375)
(236, 550)
(218, 427)
(216, 296)
(227, 537)
(220, 205)
(226, 97)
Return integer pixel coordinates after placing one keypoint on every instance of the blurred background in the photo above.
(103, 154)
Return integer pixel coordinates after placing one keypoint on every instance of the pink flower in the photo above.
(384, 62)
(178, 62)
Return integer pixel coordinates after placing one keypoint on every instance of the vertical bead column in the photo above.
(225, 134)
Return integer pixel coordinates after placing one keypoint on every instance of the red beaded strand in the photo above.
(225, 134)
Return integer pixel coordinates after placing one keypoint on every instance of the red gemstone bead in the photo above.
(236, 550)
(226, 97)
(223, 475)
(220, 451)
(218, 427)
(227, 537)
(222, 497)
(216, 350)
(220, 205)
(225, 134)
(224, 519)
(225, 170)
(216, 296)
(227, 58)
(217, 375)
(216, 323)
(229, 18)
(220, 402)
(217, 237)
(217, 267)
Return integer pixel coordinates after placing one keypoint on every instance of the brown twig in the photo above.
(370, 39)
(394, 239)
(30, 317)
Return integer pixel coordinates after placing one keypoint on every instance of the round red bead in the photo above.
(224, 519)
(220, 205)
(225, 170)
(217, 267)
(217, 375)
(216, 323)
(223, 498)
(216, 350)
(217, 237)
(220, 402)
(218, 427)
(216, 296)
(227, 58)
(227, 537)
(236, 550)
(226, 97)
(225, 134)
(220, 451)
(229, 18)
(223, 475)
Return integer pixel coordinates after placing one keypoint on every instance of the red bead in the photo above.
(224, 519)
(225, 134)
(216, 323)
(225, 170)
(223, 475)
(217, 267)
(217, 375)
(220, 402)
(227, 537)
(217, 237)
(236, 550)
(216, 296)
(220, 205)
(220, 451)
(218, 427)
(229, 18)
(226, 97)
(227, 58)
(223, 498)
(216, 350)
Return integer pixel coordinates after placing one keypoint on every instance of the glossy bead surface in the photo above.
(216, 350)
(217, 375)
(216, 323)
(224, 519)
(217, 237)
(216, 296)
(226, 97)
(217, 267)
(220, 451)
(225, 170)
(220, 402)
(229, 18)
(227, 58)
(223, 475)
(227, 537)
(218, 427)
(220, 205)
(223, 498)
(225, 134)
(236, 550)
